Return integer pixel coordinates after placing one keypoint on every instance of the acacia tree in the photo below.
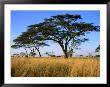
(34, 40)
(30, 40)
(64, 29)
(97, 49)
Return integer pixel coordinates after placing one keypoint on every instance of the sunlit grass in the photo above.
(55, 67)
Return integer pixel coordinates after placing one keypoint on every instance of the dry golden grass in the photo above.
(55, 67)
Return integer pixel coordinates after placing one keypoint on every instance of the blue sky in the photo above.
(21, 19)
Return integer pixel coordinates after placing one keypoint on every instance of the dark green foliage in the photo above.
(64, 29)
(97, 49)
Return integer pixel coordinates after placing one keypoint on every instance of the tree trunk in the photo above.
(38, 51)
(64, 50)
(65, 53)
(26, 52)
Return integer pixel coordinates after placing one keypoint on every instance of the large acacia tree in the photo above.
(65, 30)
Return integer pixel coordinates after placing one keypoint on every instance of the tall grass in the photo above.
(55, 67)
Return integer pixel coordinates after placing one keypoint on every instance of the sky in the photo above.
(21, 19)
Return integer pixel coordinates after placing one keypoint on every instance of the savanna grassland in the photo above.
(55, 67)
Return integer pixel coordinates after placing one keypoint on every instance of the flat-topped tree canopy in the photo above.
(29, 39)
(64, 29)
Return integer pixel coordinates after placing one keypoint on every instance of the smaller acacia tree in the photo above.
(97, 49)
(30, 40)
